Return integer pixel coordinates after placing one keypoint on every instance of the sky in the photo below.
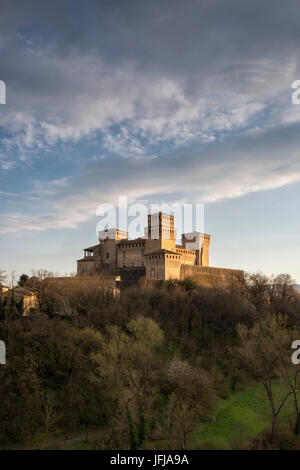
(171, 102)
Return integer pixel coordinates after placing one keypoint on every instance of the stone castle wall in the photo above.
(209, 276)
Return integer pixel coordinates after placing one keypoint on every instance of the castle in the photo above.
(156, 256)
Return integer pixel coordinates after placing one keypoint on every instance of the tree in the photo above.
(258, 290)
(262, 351)
(191, 398)
(49, 412)
(133, 441)
(289, 372)
(129, 370)
(23, 280)
(291, 378)
(273, 294)
(42, 274)
(141, 430)
(3, 276)
(13, 279)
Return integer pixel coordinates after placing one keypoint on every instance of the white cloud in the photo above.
(254, 163)
(88, 95)
(146, 109)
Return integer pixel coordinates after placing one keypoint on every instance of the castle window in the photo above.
(107, 255)
(123, 254)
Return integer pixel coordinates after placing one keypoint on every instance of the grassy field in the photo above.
(243, 416)
(238, 419)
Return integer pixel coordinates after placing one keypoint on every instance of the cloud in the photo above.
(224, 170)
(147, 109)
(179, 102)
(145, 75)
(6, 163)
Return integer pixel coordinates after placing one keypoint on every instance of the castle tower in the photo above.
(205, 250)
(160, 232)
(200, 243)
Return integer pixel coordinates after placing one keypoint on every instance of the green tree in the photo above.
(141, 429)
(129, 369)
(133, 441)
(23, 280)
(191, 398)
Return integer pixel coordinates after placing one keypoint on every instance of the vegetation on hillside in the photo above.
(174, 365)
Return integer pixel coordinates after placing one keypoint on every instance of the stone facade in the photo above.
(211, 276)
(156, 256)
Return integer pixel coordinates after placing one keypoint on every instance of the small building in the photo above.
(3, 288)
(21, 294)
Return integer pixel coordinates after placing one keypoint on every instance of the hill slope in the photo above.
(242, 417)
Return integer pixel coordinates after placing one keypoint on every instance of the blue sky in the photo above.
(159, 101)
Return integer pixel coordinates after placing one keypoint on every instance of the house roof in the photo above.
(19, 291)
(23, 290)
(92, 247)
(87, 258)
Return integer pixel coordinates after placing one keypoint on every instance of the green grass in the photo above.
(238, 419)
(243, 416)
(79, 445)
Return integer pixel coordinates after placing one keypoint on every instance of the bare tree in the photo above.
(290, 374)
(262, 351)
(129, 369)
(192, 398)
(13, 279)
(3, 276)
(42, 274)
